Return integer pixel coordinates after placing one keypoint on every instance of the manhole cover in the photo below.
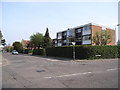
(40, 70)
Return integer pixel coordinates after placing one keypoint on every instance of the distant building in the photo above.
(54, 42)
(25, 43)
(81, 35)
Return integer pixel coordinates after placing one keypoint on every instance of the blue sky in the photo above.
(21, 19)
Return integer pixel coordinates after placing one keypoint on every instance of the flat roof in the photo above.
(86, 25)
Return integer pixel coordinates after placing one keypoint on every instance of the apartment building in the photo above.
(81, 35)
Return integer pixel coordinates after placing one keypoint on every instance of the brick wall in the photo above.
(112, 32)
(94, 30)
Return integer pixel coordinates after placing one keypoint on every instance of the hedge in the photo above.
(85, 52)
(27, 51)
(118, 51)
(59, 52)
(39, 52)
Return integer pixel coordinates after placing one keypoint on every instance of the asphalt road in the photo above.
(23, 71)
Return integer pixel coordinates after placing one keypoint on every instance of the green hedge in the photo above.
(59, 52)
(39, 52)
(85, 52)
(118, 51)
(90, 52)
(27, 51)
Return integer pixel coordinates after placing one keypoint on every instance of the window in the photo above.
(85, 38)
(70, 33)
(64, 41)
(86, 30)
(78, 30)
(55, 41)
(64, 34)
(78, 35)
(59, 35)
(59, 41)
(78, 40)
(71, 39)
(103, 31)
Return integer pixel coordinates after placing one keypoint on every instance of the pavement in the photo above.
(25, 71)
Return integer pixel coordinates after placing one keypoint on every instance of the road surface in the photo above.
(24, 71)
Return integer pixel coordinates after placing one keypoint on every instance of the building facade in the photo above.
(81, 35)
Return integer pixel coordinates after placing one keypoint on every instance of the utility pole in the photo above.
(73, 50)
(116, 41)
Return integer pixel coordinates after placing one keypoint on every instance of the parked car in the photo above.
(14, 52)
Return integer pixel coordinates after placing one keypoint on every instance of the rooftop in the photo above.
(86, 25)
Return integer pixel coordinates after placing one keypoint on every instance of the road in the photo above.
(24, 71)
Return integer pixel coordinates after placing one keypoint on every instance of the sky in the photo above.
(20, 20)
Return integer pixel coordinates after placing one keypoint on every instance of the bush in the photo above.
(27, 51)
(18, 47)
(59, 52)
(39, 52)
(84, 52)
(118, 51)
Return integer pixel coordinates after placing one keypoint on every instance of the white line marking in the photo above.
(112, 69)
(68, 75)
(52, 60)
(47, 77)
(75, 74)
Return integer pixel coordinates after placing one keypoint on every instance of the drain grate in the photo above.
(40, 70)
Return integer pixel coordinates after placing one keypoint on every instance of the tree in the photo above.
(102, 38)
(0, 36)
(8, 48)
(18, 47)
(2, 41)
(37, 40)
(47, 39)
(29, 45)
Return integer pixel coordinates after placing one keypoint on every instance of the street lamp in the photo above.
(73, 43)
(116, 34)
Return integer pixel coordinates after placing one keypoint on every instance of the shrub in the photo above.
(59, 52)
(27, 51)
(118, 51)
(84, 52)
(39, 51)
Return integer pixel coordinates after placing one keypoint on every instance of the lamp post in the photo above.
(73, 43)
(116, 34)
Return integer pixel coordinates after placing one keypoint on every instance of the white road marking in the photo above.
(68, 75)
(75, 74)
(47, 77)
(112, 69)
(52, 60)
